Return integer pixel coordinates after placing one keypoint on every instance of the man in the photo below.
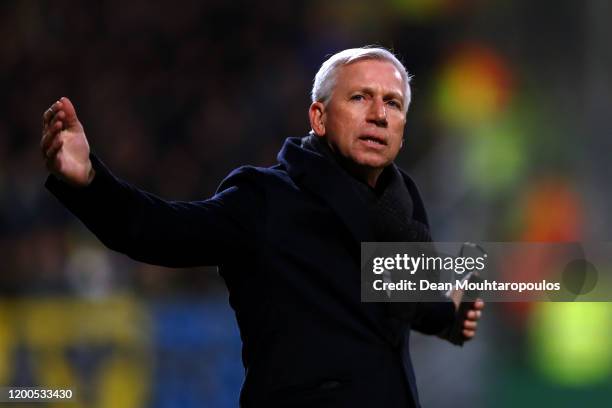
(287, 239)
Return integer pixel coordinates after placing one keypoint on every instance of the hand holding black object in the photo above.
(468, 311)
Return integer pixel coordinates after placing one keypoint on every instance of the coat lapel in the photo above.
(319, 176)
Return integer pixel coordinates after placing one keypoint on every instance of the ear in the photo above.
(316, 113)
(402, 143)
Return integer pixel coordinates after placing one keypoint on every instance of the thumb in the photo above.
(71, 117)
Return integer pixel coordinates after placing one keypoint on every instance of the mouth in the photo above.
(373, 140)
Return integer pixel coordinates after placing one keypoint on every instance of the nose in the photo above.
(377, 113)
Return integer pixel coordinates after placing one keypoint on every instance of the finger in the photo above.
(474, 314)
(468, 333)
(59, 116)
(47, 138)
(54, 149)
(470, 324)
(478, 305)
(68, 107)
(49, 113)
(50, 135)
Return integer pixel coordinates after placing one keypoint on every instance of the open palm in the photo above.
(64, 144)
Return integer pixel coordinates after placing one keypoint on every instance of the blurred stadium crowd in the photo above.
(507, 136)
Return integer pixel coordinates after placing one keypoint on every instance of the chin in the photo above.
(372, 162)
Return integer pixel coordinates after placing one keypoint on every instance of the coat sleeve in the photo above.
(168, 233)
(434, 317)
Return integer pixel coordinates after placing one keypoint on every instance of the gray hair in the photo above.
(325, 80)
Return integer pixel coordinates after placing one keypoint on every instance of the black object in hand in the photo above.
(455, 332)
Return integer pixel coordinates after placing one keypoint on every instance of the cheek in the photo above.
(399, 122)
(397, 130)
(395, 149)
(344, 128)
(398, 134)
(335, 120)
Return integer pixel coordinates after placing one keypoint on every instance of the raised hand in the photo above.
(64, 144)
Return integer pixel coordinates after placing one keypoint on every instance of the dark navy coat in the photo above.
(287, 243)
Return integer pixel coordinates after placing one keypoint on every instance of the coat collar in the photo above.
(330, 183)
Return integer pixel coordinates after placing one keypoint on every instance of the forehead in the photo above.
(370, 73)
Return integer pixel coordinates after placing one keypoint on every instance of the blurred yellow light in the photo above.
(571, 342)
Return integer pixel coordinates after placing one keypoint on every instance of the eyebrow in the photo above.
(392, 94)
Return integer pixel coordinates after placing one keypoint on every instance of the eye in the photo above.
(357, 97)
(394, 104)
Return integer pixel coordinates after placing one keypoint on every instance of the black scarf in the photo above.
(390, 205)
(390, 210)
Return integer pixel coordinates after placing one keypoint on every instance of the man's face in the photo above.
(364, 118)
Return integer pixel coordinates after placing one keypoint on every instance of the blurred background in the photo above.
(508, 137)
